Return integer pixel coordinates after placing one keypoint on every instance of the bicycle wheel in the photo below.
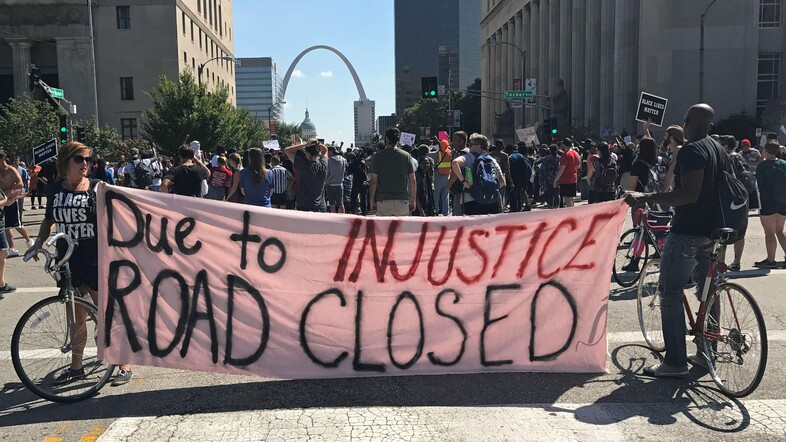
(739, 356)
(632, 254)
(41, 348)
(648, 305)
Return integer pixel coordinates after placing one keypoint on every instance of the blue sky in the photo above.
(361, 29)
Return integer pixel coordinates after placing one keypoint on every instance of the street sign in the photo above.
(456, 118)
(531, 85)
(517, 104)
(44, 151)
(518, 94)
(56, 93)
(441, 90)
(652, 108)
(758, 132)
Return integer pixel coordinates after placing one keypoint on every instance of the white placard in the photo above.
(407, 139)
(271, 144)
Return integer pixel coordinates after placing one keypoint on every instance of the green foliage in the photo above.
(186, 108)
(26, 123)
(428, 112)
(741, 125)
(469, 105)
(285, 131)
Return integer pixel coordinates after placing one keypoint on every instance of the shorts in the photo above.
(291, 191)
(393, 208)
(475, 208)
(335, 195)
(278, 199)
(13, 217)
(84, 263)
(772, 208)
(3, 240)
(567, 190)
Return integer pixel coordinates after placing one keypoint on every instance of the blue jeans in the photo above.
(441, 194)
(680, 262)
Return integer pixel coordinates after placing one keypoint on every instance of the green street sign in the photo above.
(56, 93)
(518, 94)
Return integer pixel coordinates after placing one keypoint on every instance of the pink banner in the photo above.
(202, 285)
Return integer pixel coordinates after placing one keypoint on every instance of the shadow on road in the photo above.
(700, 402)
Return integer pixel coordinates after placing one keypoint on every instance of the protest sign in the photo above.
(271, 144)
(653, 108)
(407, 139)
(44, 151)
(197, 284)
(528, 135)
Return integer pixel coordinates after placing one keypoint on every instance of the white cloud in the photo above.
(297, 73)
(326, 74)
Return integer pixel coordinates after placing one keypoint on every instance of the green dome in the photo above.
(307, 127)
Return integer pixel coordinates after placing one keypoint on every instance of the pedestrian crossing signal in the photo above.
(428, 86)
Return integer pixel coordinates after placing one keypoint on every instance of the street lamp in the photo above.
(201, 67)
(523, 54)
(701, 54)
(269, 111)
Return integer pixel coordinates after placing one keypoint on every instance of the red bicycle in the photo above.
(636, 245)
(729, 325)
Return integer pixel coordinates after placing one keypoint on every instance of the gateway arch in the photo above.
(364, 108)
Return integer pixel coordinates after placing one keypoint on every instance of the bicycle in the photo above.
(728, 325)
(48, 335)
(636, 244)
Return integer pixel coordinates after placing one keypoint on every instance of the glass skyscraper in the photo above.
(259, 86)
(435, 38)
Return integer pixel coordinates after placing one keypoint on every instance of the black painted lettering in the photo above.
(233, 281)
(111, 197)
(184, 228)
(533, 322)
(304, 319)
(152, 338)
(201, 286)
(421, 339)
(116, 295)
(356, 364)
(244, 239)
(435, 359)
(163, 240)
(487, 321)
(272, 268)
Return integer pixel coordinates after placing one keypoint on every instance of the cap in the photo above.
(134, 152)
(745, 143)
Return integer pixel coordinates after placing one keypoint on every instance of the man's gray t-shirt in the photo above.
(337, 165)
(392, 167)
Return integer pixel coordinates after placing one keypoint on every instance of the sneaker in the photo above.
(30, 243)
(6, 288)
(764, 264)
(123, 376)
(666, 371)
(633, 266)
(12, 253)
(698, 360)
(734, 268)
(68, 375)
(33, 207)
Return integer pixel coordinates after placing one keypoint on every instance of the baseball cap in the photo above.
(745, 143)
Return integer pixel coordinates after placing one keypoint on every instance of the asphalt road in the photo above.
(619, 405)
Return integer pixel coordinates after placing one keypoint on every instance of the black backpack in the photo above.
(731, 207)
(142, 175)
(743, 173)
(605, 176)
(485, 182)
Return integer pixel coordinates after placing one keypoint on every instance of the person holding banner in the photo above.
(73, 200)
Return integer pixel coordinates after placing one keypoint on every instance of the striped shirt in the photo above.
(280, 177)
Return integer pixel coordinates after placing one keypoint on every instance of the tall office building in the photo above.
(259, 88)
(609, 51)
(386, 121)
(435, 38)
(135, 44)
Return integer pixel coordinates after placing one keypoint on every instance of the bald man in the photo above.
(697, 173)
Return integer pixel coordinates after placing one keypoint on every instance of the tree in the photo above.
(186, 108)
(428, 112)
(741, 125)
(284, 132)
(469, 105)
(26, 123)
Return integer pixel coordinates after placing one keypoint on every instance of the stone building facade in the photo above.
(609, 51)
(135, 44)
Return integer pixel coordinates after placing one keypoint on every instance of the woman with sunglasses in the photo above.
(71, 209)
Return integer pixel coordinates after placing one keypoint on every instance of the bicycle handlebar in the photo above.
(52, 256)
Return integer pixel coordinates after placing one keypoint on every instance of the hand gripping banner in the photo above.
(203, 285)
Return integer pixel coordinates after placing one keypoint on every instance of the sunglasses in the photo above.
(79, 159)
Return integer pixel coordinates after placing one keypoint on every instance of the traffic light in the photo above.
(63, 132)
(428, 87)
(79, 134)
(34, 77)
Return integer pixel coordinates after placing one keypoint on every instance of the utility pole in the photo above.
(93, 51)
(701, 53)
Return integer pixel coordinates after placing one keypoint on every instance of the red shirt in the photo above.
(570, 160)
(220, 177)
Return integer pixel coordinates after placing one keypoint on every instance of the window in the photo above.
(199, 6)
(770, 13)
(123, 17)
(128, 128)
(184, 22)
(192, 31)
(193, 63)
(220, 28)
(200, 38)
(185, 57)
(126, 88)
(768, 79)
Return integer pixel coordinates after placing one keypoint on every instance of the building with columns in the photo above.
(609, 51)
(135, 44)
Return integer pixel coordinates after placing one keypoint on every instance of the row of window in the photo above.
(770, 13)
(211, 48)
(769, 77)
(211, 11)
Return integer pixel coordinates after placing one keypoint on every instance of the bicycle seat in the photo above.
(724, 236)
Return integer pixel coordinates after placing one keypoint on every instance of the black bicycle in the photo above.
(54, 332)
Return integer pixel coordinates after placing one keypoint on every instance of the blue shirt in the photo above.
(256, 194)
